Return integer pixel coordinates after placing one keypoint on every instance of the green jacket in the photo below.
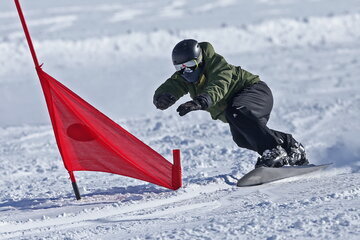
(220, 81)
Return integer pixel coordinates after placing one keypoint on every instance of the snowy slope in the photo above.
(115, 54)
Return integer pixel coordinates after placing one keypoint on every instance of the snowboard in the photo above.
(263, 175)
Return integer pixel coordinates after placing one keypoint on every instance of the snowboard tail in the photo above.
(263, 175)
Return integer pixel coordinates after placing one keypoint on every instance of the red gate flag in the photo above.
(90, 141)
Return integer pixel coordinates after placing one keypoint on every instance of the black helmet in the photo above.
(186, 50)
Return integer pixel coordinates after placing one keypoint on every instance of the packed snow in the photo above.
(114, 54)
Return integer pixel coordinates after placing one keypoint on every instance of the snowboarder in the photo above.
(232, 95)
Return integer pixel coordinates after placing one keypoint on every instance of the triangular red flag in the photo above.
(90, 141)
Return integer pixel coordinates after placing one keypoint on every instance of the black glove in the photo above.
(165, 100)
(188, 107)
(201, 102)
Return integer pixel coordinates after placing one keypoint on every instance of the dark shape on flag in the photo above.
(80, 132)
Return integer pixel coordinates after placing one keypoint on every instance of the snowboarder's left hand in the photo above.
(188, 107)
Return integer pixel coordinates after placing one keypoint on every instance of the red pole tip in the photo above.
(176, 170)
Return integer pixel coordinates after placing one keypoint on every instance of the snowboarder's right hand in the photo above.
(165, 100)
(187, 107)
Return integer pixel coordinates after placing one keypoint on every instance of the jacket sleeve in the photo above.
(219, 74)
(174, 85)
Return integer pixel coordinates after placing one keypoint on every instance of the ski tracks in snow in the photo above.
(188, 200)
(311, 204)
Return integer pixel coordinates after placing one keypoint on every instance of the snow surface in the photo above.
(115, 54)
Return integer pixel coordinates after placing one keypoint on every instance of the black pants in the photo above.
(247, 114)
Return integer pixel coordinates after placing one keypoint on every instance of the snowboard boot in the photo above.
(276, 157)
(297, 155)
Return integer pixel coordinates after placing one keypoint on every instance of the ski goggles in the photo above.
(188, 66)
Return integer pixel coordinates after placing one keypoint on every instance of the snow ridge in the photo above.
(284, 33)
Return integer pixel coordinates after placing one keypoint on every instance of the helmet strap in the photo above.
(197, 64)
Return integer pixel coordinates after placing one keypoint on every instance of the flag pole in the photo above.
(27, 34)
(38, 67)
(75, 187)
